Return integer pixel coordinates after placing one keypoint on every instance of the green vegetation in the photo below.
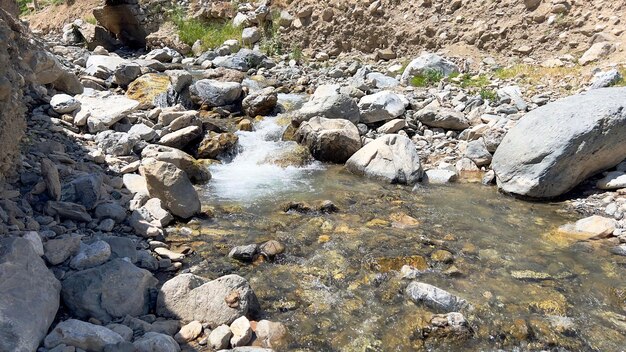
(270, 39)
(91, 19)
(25, 5)
(211, 34)
(296, 53)
(622, 81)
(427, 78)
(535, 74)
(488, 94)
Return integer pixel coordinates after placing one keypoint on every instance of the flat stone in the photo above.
(80, 334)
(434, 297)
(589, 228)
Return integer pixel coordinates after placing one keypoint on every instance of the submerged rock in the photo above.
(593, 227)
(434, 297)
(392, 158)
(555, 147)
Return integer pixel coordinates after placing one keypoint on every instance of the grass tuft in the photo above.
(212, 34)
(427, 78)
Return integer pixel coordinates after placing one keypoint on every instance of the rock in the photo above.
(166, 253)
(122, 20)
(382, 106)
(334, 140)
(35, 240)
(243, 253)
(102, 66)
(189, 332)
(155, 342)
(116, 143)
(59, 250)
(531, 5)
(67, 210)
(216, 302)
(196, 172)
(162, 54)
(329, 103)
(143, 131)
(215, 93)
(51, 178)
(86, 190)
(271, 248)
(154, 206)
(250, 35)
(101, 110)
(592, 227)
(434, 297)
(478, 153)
(29, 296)
(109, 291)
(425, 63)
(260, 102)
(91, 255)
(392, 126)
(181, 138)
(612, 180)
(126, 73)
(597, 52)
(449, 326)
(270, 334)
(124, 331)
(438, 176)
(543, 157)
(242, 332)
(392, 158)
(216, 144)
(606, 79)
(172, 186)
(110, 210)
(149, 90)
(442, 118)
(514, 94)
(220, 337)
(89, 337)
(64, 104)
(135, 183)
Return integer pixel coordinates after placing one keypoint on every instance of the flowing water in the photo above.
(338, 286)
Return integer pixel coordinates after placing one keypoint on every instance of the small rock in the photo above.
(244, 253)
(220, 337)
(242, 332)
(189, 332)
(64, 104)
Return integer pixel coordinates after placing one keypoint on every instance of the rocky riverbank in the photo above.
(116, 151)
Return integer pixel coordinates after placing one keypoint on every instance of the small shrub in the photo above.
(488, 94)
(211, 34)
(296, 52)
(427, 78)
(622, 81)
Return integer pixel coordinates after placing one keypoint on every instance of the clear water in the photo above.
(338, 287)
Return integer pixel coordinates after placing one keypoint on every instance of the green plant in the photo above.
(91, 19)
(622, 81)
(427, 78)
(488, 94)
(296, 52)
(212, 33)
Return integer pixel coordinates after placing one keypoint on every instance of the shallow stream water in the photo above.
(338, 286)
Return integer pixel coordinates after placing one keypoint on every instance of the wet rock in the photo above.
(80, 334)
(91, 255)
(542, 156)
(189, 332)
(271, 248)
(442, 256)
(382, 106)
(155, 342)
(242, 332)
(334, 140)
(426, 63)
(216, 302)
(442, 118)
(530, 275)
(60, 249)
(450, 325)
(181, 138)
(64, 104)
(30, 296)
(220, 337)
(172, 186)
(244, 253)
(270, 334)
(391, 158)
(215, 93)
(329, 103)
(109, 291)
(434, 297)
(182, 160)
(216, 144)
(592, 227)
(260, 102)
(148, 89)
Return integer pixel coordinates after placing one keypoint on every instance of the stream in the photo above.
(338, 286)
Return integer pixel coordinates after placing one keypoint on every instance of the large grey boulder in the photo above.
(172, 186)
(555, 147)
(188, 297)
(443, 118)
(100, 110)
(260, 102)
(434, 297)
(328, 102)
(391, 158)
(334, 140)
(80, 334)
(102, 66)
(109, 291)
(182, 160)
(156, 342)
(215, 93)
(382, 106)
(29, 296)
(425, 63)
